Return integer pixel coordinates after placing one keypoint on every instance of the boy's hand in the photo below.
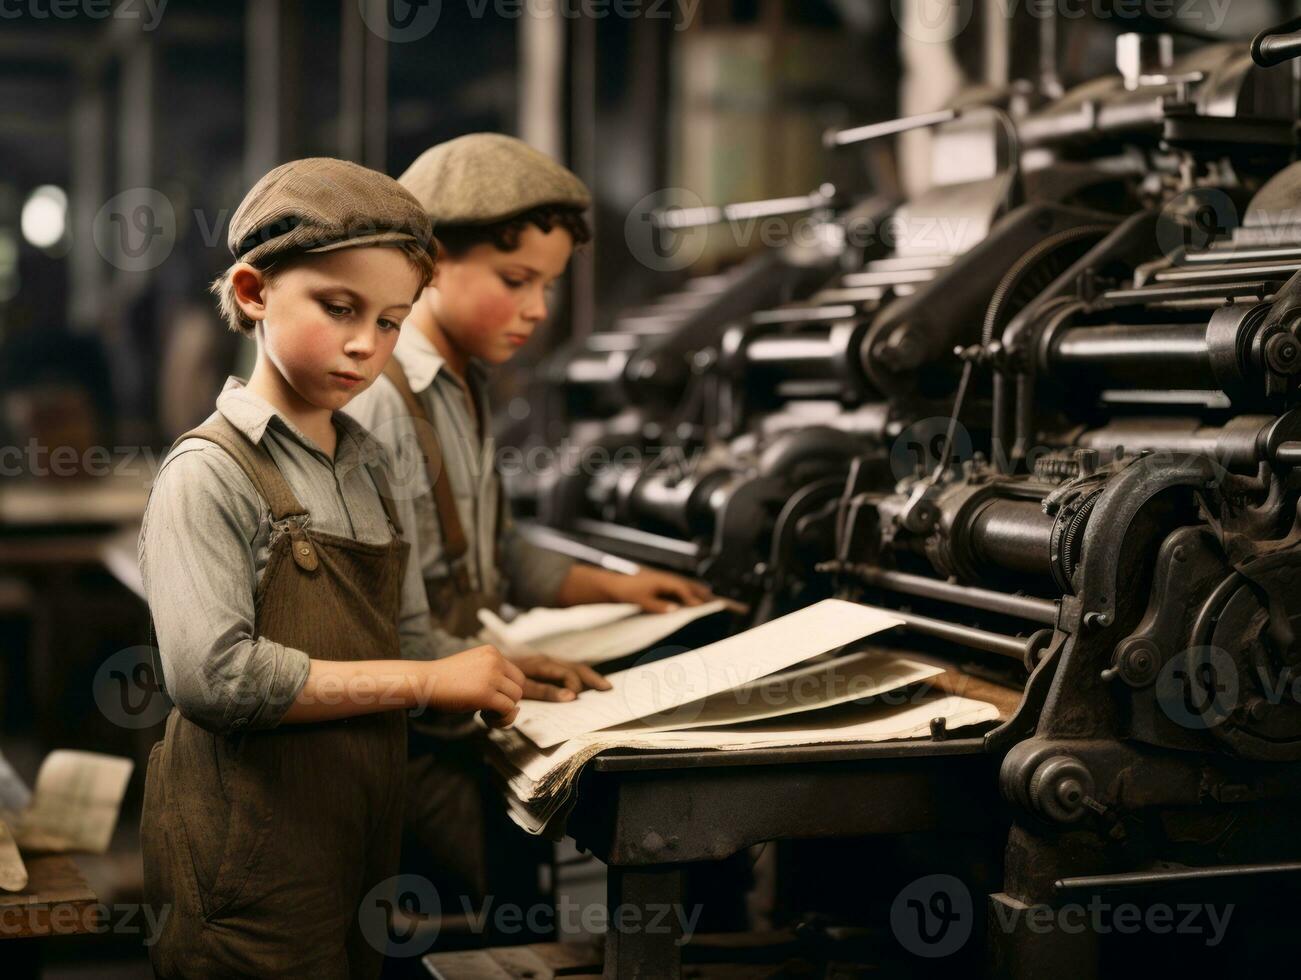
(548, 679)
(658, 592)
(479, 679)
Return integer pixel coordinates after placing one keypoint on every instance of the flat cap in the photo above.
(321, 204)
(486, 177)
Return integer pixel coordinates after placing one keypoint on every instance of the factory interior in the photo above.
(856, 544)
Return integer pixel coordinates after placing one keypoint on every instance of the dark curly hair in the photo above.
(456, 240)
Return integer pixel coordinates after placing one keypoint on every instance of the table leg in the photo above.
(643, 939)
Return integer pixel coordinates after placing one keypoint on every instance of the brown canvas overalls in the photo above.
(264, 843)
(453, 807)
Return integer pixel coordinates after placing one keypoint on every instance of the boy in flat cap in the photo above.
(507, 219)
(291, 618)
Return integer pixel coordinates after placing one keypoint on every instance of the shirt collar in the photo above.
(422, 363)
(252, 415)
(419, 358)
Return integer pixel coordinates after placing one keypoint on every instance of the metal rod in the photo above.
(675, 218)
(634, 536)
(1223, 256)
(1228, 272)
(1138, 879)
(554, 540)
(1036, 610)
(872, 131)
(969, 636)
(1288, 454)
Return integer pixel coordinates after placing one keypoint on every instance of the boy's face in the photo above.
(330, 321)
(487, 302)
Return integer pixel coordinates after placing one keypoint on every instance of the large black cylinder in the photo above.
(1162, 355)
(1013, 534)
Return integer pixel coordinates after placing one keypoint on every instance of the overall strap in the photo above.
(257, 465)
(454, 540)
(380, 479)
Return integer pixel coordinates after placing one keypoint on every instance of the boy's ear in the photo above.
(249, 288)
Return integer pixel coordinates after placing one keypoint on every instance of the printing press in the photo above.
(1059, 446)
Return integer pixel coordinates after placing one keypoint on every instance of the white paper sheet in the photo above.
(76, 802)
(669, 683)
(540, 782)
(809, 688)
(536, 624)
(591, 634)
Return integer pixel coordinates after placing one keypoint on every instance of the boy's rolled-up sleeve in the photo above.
(533, 574)
(197, 563)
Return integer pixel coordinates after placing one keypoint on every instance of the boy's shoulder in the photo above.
(198, 480)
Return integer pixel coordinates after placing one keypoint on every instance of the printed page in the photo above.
(731, 662)
(76, 802)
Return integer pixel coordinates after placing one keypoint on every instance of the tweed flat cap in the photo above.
(321, 204)
(487, 177)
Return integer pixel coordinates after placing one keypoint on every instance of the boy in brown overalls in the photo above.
(291, 619)
(507, 219)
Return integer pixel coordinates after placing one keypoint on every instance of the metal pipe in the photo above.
(553, 540)
(676, 218)
(968, 636)
(1237, 444)
(891, 127)
(1026, 607)
(1140, 879)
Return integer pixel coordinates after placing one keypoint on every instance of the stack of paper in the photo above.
(541, 781)
(760, 688)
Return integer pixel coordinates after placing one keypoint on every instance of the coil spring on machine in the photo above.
(1056, 469)
(1068, 541)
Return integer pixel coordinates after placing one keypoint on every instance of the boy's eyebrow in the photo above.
(334, 287)
(357, 299)
(532, 271)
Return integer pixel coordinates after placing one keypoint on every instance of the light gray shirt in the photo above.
(205, 543)
(535, 574)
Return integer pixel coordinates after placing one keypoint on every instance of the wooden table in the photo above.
(56, 902)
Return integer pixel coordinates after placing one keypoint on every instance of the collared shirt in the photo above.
(204, 546)
(535, 574)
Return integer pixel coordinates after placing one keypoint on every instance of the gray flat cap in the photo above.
(487, 177)
(320, 204)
